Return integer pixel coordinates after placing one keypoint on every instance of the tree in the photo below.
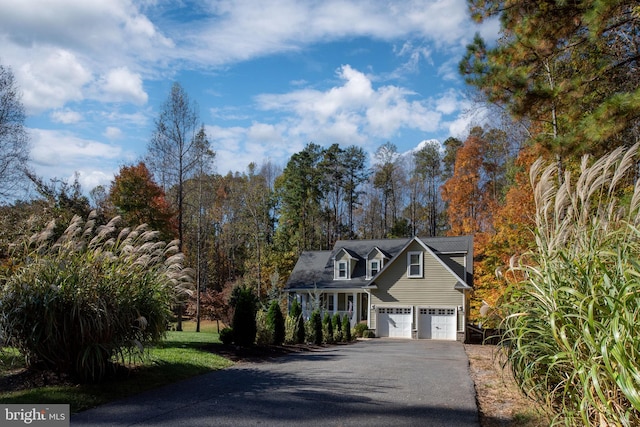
(385, 180)
(570, 67)
(354, 161)
(244, 316)
(451, 146)
(14, 141)
(299, 194)
(176, 152)
(177, 148)
(426, 175)
(333, 175)
(139, 200)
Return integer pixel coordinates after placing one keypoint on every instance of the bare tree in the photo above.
(176, 151)
(14, 141)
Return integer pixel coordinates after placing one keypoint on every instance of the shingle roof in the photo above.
(315, 268)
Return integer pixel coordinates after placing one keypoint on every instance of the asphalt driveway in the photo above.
(381, 382)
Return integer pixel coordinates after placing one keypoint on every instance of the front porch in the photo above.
(354, 304)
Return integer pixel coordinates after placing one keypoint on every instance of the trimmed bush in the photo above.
(327, 328)
(316, 326)
(296, 313)
(337, 331)
(90, 298)
(244, 317)
(300, 331)
(226, 336)
(346, 329)
(275, 323)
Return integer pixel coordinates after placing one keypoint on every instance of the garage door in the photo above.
(437, 323)
(394, 322)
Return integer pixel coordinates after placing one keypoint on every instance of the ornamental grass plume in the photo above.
(572, 325)
(92, 298)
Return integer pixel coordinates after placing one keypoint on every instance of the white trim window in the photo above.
(415, 267)
(374, 267)
(342, 270)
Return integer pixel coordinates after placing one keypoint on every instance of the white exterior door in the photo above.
(394, 322)
(437, 323)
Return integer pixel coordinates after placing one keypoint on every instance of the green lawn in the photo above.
(181, 355)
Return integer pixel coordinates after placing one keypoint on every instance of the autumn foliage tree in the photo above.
(139, 200)
(481, 203)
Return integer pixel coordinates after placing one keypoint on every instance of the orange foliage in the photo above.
(500, 229)
(139, 200)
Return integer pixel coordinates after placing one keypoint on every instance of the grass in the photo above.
(181, 355)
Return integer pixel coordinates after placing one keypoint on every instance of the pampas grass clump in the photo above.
(92, 298)
(573, 325)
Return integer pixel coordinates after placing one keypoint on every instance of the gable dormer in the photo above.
(344, 262)
(376, 259)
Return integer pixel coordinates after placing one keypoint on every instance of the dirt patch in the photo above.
(23, 379)
(500, 401)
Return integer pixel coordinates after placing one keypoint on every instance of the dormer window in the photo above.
(342, 270)
(375, 267)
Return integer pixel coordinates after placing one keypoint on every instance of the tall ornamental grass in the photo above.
(92, 298)
(573, 325)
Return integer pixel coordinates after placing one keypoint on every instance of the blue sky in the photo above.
(268, 76)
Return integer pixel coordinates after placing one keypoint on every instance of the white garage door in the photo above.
(437, 323)
(394, 322)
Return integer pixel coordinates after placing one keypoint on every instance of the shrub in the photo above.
(572, 335)
(264, 334)
(226, 336)
(316, 326)
(327, 328)
(244, 317)
(300, 331)
(346, 329)
(359, 329)
(337, 332)
(275, 322)
(295, 310)
(368, 334)
(92, 297)
(290, 329)
(296, 313)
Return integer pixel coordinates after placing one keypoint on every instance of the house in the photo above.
(405, 288)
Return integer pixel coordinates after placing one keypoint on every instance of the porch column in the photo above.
(355, 318)
(335, 303)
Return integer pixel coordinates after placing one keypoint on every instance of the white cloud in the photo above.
(121, 85)
(52, 81)
(242, 30)
(353, 110)
(66, 116)
(58, 154)
(448, 102)
(112, 132)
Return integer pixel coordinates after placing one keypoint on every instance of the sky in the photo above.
(268, 76)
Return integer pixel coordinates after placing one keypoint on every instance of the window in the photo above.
(342, 272)
(374, 267)
(414, 264)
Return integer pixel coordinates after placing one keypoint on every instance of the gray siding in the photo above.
(435, 289)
